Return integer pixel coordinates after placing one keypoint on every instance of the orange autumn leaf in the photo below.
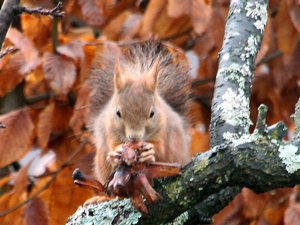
(21, 182)
(254, 204)
(81, 109)
(45, 125)
(92, 12)
(16, 139)
(199, 10)
(7, 201)
(73, 50)
(37, 29)
(22, 43)
(11, 74)
(60, 72)
(287, 34)
(36, 212)
(158, 23)
(63, 194)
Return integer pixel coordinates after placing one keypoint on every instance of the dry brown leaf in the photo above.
(92, 13)
(73, 50)
(177, 8)
(7, 201)
(16, 216)
(21, 181)
(4, 202)
(291, 216)
(294, 11)
(267, 43)
(231, 214)
(63, 194)
(153, 12)
(39, 3)
(287, 34)
(6, 179)
(113, 30)
(131, 27)
(45, 125)
(64, 145)
(36, 212)
(199, 10)
(89, 51)
(36, 86)
(37, 29)
(10, 75)
(292, 213)
(22, 43)
(274, 215)
(254, 204)
(81, 108)
(61, 120)
(17, 138)
(157, 23)
(80, 32)
(29, 52)
(60, 72)
(200, 141)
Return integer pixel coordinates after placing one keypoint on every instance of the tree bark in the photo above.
(6, 18)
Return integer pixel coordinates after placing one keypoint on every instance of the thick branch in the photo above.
(6, 18)
(243, 37)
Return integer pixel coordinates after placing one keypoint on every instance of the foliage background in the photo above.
(44, 102)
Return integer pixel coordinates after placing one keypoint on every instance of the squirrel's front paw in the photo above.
(115, 156)
(147, 154)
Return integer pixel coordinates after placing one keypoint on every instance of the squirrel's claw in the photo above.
(147, 156)
(115, 156)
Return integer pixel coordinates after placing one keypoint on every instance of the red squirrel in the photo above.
(141, 94)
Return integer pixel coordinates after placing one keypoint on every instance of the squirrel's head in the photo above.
(136, 105)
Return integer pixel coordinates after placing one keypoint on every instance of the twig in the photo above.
(65, 164)
(203, 81)
(40, 97)
(269, 57)
(55, 12)
(2, 125)
(55, 41)
(6, 51)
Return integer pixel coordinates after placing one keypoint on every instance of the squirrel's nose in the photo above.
(134, 137)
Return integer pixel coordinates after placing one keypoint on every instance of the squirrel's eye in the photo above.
(151, 114)
(118, 113)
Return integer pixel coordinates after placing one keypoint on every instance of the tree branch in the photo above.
(55, 12)
(6, 51)
(6, 17)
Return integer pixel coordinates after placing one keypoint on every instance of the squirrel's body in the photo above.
(141, 96)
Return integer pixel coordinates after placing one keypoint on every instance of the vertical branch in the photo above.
(243, 37)
(55, 34)
(6, 17)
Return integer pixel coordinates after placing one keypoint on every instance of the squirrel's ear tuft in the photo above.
(151, 76)
(120, 80)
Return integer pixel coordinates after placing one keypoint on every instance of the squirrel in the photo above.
(142, 95)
